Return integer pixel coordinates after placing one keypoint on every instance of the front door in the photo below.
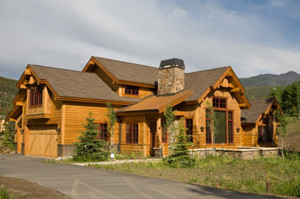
(152, 137)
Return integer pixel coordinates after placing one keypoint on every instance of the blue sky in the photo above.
(253, 37)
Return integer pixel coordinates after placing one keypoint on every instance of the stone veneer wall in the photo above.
(170, 80)
(245, 154)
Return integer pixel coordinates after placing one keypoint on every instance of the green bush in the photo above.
(7, 140)
(4, 194)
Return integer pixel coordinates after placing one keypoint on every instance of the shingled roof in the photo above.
(197, 82)
(70, 83)
(200, 81)
(130, 71)
(258, 107)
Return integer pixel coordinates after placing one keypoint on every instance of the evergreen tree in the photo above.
(8, 140)
(180, 154)
(89, 148)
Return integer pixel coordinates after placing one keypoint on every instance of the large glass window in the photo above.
(220, 127)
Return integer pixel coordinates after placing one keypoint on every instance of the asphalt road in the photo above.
(90, 183)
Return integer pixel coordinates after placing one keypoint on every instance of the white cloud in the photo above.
(66, 33)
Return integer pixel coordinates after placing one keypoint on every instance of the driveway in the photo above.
(85, 182)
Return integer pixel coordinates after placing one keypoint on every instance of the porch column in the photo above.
(144, 137)
(158, 136)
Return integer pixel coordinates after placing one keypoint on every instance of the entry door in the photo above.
(152, 137)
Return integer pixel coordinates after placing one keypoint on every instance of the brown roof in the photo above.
(70, 83)
(157, 103)
(130, 71)
(200, 81)
(258, 107)
(197, 82)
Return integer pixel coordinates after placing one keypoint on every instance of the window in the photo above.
(132, 90)
(208, 127)
(189, 129)
(102, 131)
(36, 96)
(219, 103)
(132, 133)
(230, 126)
(264, 135)
(164, 135)
(223, 129)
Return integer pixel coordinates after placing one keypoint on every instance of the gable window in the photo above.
(36, 96)
(131, 90)
(164, 135)
(102, 131)
(219, 103)
(132, 133)
(189, 129)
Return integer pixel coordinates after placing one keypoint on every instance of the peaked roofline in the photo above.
(94, 61)
(268, 109)
(67, 98)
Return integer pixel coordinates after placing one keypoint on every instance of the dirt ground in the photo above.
(20, 188)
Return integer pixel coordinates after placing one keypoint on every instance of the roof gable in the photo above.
(259, 106)
(75, 84)
(125, 72)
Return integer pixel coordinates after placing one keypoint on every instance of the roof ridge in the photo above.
(70, 70)
(208, 69)
(127, 62)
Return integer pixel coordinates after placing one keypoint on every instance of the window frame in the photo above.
(219, 99)
(209, 139)
(189, 122)
(36, 96)
(133, 132)
(131, 90)
(101, 134)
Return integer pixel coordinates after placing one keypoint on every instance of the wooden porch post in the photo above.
(144, 137)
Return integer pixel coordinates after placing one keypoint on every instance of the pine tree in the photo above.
(8, 140)
(89, 148)
(180, 154)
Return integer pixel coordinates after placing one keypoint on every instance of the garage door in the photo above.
(43, 141)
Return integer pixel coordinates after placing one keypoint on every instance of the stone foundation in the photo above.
(242, 153)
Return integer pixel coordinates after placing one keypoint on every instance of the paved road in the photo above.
(85, 182)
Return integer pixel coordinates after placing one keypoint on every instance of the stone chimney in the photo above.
(170, 76)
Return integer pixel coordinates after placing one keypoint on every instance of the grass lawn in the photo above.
(227, 173)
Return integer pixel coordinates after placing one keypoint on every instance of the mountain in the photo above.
(271, 79)
(8, 91)
(259, 86)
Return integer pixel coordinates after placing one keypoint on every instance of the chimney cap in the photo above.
(175, 62)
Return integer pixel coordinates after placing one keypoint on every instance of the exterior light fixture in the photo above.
(238, 129)
(22, 131)
(202, 128)
(58, 131)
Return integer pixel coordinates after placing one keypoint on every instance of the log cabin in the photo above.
(52, 105)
